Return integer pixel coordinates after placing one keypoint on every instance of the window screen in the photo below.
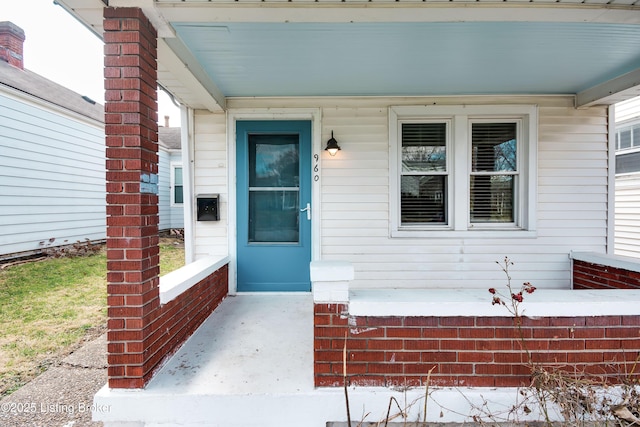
(494, 170)
(423, 183)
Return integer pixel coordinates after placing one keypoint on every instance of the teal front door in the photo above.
(273, 205)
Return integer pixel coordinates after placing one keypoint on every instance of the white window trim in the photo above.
(461, 116)
(172, 192)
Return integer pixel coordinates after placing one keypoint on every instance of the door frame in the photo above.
(274, 114)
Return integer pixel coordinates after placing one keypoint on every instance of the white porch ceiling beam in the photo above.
(393, 12)
(204, 93)
(615, 90)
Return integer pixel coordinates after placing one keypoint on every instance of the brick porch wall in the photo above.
(141, 331)
(587, 275)
(466, 351)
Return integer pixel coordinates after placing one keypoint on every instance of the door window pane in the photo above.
(273, 216)
(273, 161)
(274, 177)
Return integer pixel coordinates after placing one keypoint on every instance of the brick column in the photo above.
(132, 194)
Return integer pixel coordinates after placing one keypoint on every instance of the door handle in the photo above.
(308, 210)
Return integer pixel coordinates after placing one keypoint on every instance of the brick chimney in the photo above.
(11, 42)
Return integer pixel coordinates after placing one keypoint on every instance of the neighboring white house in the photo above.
(171, 200)
(52, 160)
(627, 206)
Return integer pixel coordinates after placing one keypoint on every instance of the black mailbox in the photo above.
(207, 207)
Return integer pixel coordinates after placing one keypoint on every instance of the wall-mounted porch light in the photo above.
(332, 146)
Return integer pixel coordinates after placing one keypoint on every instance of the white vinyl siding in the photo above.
(210, 177)
(571, 197)
(52, 177)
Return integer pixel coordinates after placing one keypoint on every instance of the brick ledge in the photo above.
(175, 283)
(477, 302)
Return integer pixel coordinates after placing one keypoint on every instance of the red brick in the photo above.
(402, 356)
(602, 344)
(464, 345)
(494, 321)
(604, 321)
(385, 368)
(589, 333)
(475, 357)
(454, 369)
(476, 333)
(568, 345)
(494, 345)
(432, 357)
(567, 321)
(364, 356)
(457, 321)
(630, 332)
(385, 344)
(631, 320)
(493, 369)
(552, 333)
(440, 333)
(384, 321)
(404, 332)
(421, 344)
(585, 357)
(421, 321)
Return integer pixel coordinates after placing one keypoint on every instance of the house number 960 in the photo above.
(316, 159)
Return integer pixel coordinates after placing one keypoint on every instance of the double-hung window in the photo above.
(493, 180)
(462, 169)
(424, 176)
(177, 197)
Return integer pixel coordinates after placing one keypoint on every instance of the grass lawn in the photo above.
(48, 307)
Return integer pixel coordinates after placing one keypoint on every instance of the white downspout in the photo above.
(186, 115)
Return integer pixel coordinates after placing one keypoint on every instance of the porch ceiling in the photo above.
(212, 50)
(405, 59)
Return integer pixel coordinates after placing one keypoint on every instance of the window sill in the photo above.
(175, 283)
(466, 234)
(477, 303)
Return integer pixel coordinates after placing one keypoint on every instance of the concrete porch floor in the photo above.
(252, 344)
(251, 364)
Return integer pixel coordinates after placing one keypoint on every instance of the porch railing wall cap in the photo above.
(616, 261)
(175, 283)
(477, 303)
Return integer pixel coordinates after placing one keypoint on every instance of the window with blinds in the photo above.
(494, 172)
(462, 170)
(423, 181)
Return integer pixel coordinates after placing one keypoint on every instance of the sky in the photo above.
(61, 49)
